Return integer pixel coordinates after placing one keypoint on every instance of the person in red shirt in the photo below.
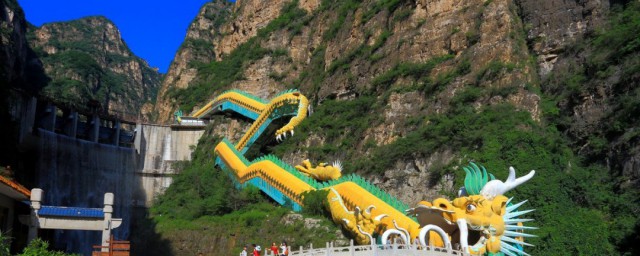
(256, 250)
(274, 249)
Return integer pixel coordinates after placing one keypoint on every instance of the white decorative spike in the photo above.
(517, 234)
(507, 252)
(510, 247)
(368, 209)
(338, 165)
(365, 233)
(515, 206)
(516, 214)
(513, 221)
(509, 200)
(507, 239)
(346, 221)
(516, 227)
(381, 216)
(291, 133)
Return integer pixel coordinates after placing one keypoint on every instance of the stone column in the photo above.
(116, 133)
(108, 212)
(94, 134)
(71, 124)
(49, 118)
(36, 204)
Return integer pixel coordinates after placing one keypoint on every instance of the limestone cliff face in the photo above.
(88, 60)
(341, 51)
(350, 46)
(198, 48)
(553, 25)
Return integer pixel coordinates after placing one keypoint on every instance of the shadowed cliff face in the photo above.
(87, 60)
(19, 67)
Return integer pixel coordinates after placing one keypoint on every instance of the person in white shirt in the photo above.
(244, 252)
(284, 251)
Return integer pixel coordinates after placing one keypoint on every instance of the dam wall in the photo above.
(74, 172)
(159, 147)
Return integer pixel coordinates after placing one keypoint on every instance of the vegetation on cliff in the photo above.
(202, 205)
(87, 60)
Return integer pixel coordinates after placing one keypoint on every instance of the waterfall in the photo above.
(77, 173)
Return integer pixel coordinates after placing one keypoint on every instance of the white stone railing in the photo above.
(374, 250)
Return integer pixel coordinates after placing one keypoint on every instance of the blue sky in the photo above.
(152, 29)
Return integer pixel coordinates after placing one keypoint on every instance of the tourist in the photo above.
(284, 250)
(389, 243)
(416, 242)
(274, 249)
(256, 250)
(244, 251)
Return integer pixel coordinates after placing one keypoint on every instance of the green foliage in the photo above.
(341, 123)
(344, 8)
(493, 69)
(417, 71)
(38, 247)
(385, 5)
(292, 19)
(315, 202)
(5, 244)
(621, 39)
(201, 201)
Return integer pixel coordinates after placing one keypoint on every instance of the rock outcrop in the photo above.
(87, 60)
(19, 68)
(198, 48)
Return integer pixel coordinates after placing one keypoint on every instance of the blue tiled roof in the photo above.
(71, 212)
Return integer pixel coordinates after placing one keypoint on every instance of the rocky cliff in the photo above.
(405, 92)
(197, 49)
(88, 61)
(413, 58)
(20, 72)
(18, 59)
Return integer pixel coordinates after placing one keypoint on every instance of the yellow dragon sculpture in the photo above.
(481, 220)
(322, 172)
(482, 217)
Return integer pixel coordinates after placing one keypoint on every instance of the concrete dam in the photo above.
(81, 156)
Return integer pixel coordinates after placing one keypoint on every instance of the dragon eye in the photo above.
(471, 207)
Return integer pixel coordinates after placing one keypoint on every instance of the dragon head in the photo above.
(481, 220)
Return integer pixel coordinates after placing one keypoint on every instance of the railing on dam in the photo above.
(375, 250)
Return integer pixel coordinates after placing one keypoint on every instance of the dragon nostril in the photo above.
(443, 206)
